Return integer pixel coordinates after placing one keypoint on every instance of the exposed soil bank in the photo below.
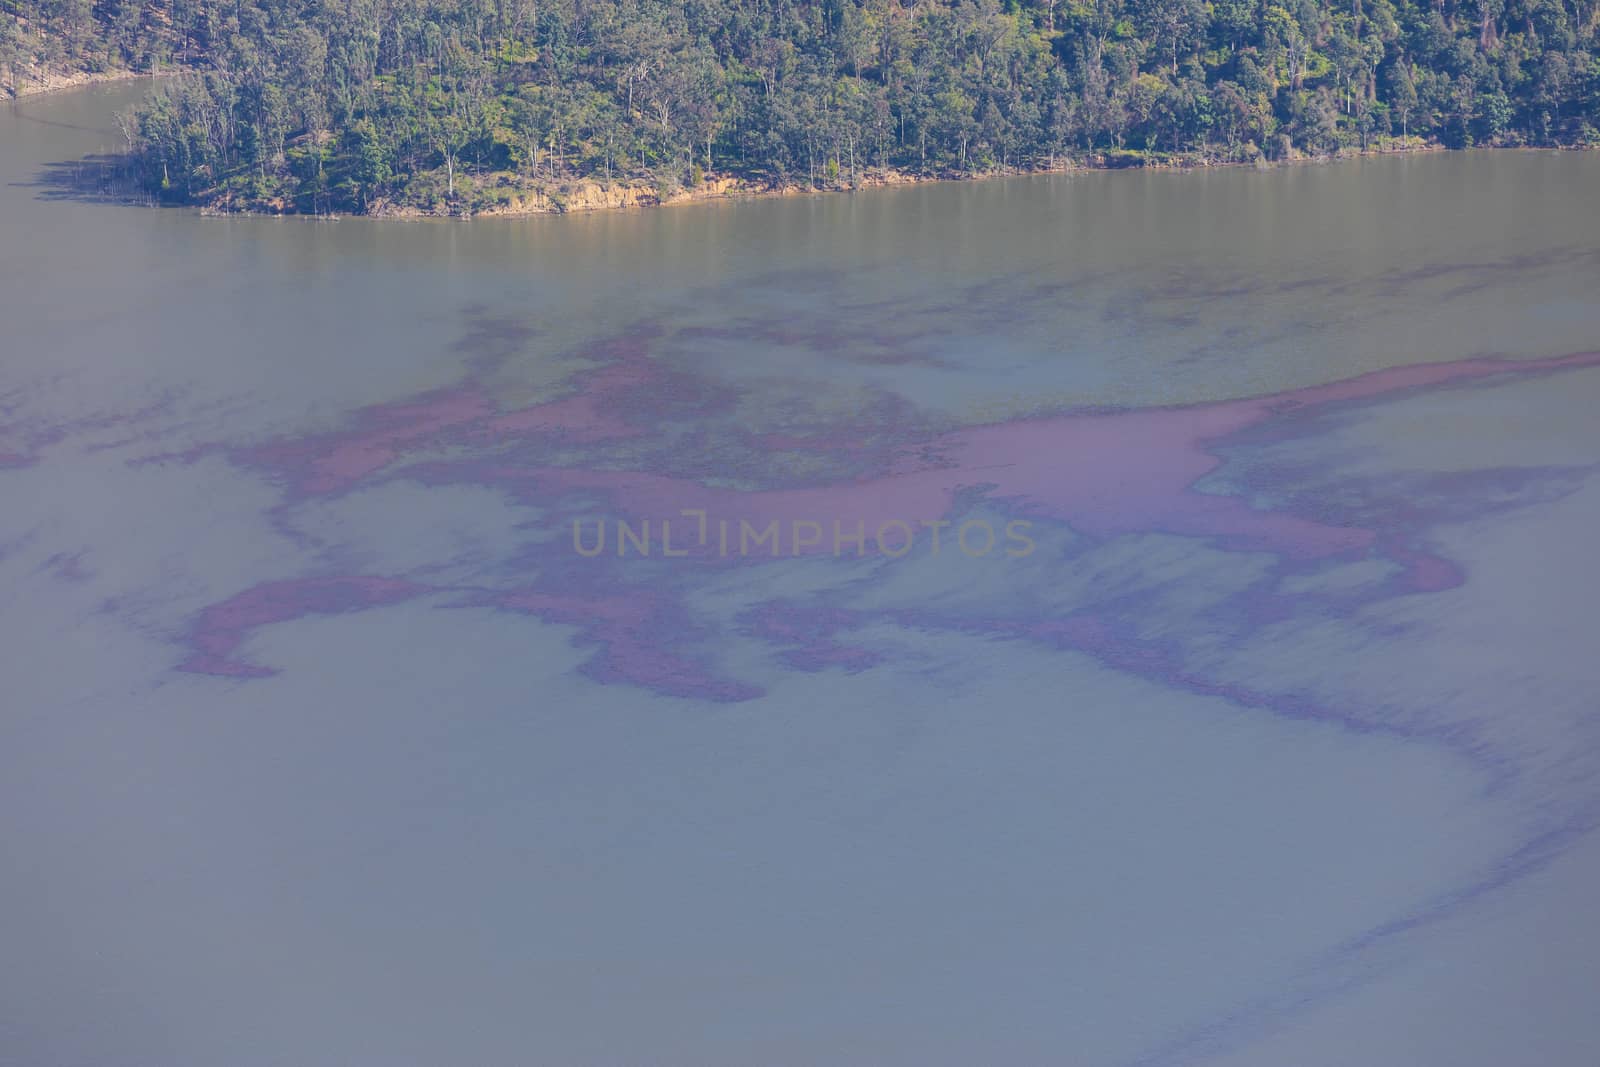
(39, 83)
(591, 194)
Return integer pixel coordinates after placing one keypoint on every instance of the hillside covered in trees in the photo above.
(463, 105)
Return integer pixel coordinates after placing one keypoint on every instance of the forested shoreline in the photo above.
(461, 106)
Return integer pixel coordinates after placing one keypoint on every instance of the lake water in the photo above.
(1244, 712)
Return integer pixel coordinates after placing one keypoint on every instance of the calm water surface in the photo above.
(1264, 732)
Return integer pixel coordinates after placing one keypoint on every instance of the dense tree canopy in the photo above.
(446, 104)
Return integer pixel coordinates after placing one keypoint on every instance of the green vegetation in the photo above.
(459, 105)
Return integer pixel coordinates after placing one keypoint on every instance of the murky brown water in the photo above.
(323, 741)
